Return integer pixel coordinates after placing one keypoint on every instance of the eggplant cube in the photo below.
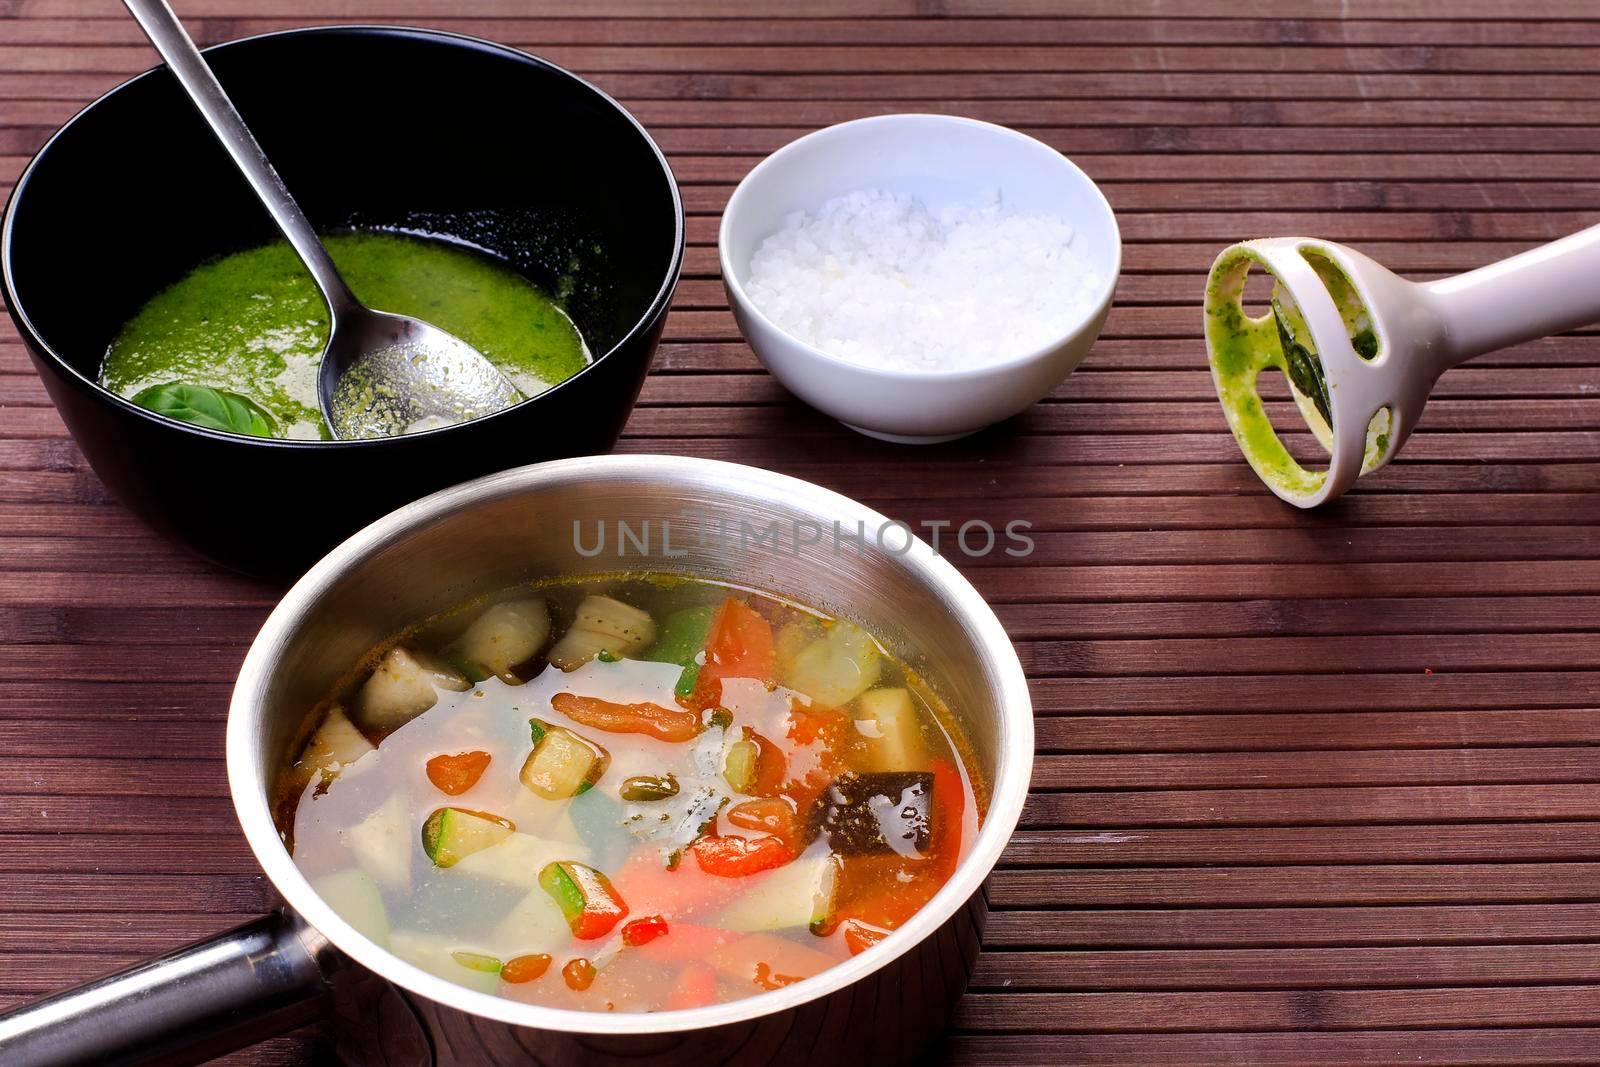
(885, 812)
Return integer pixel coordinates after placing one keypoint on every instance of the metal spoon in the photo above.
(1362, 347)
(382, 374)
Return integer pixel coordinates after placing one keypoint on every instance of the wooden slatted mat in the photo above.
(1311, 788)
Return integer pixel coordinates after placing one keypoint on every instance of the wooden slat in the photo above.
(760, 26)
(1446, 842)
(1322, 1009)
(641, 56)
(1296, 927)
(1435, 1048)
(73, 85)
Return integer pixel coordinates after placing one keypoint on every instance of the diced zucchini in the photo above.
(503, 637)
(404, 685)
(353, 895)
(477, 961)
(801, 893)
(840, 667)
(585, 896)
(893, 736)
(335, 747)
(603, 625)
(534, 924)
(792, 639)
(452, 834)
(562, 763)
(382, 844)
(514, 861)
(739, 766)
(437, 955)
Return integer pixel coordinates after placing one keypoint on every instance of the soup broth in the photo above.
(637, 794)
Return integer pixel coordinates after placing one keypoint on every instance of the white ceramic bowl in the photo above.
(939, 159)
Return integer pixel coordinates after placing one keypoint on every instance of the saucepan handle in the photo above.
(191, 1005)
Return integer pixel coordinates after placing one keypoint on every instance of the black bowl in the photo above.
(369, 126)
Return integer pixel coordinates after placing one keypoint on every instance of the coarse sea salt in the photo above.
(876, 278)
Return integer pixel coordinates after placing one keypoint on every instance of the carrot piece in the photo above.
(688, 942)
(456, 774)
(527, 968)
(738, 645)
(675, 894)
(653, 720)
(859, 936)
(735, 857)
(770, 815)
(697, 987)
(578, 974)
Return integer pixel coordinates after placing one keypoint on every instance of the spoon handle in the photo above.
(159, 23)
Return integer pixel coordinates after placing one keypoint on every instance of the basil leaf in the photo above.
(1303, 365)
(201, 405)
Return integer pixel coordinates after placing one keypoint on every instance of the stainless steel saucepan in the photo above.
(699, 517)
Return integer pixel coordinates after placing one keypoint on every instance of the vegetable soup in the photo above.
(631, 794)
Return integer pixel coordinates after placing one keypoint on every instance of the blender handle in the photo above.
(1543, 291)
(261, 979)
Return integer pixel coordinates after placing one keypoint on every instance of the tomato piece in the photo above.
(859, 936)
(770, 815)
(771, 767)
(814, 744)
(949, 805)
(697, 987)
(585, 897)
(738, 645)
(652, 720)
(755, 766)
(578, 974)
(643, 931)
(527, 968)
(456, 774)
(736, 857)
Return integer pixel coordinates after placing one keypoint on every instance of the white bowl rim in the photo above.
(730, 277)
(248, 787)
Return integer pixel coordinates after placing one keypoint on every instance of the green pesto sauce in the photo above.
(253, 323)
(1241, 348)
